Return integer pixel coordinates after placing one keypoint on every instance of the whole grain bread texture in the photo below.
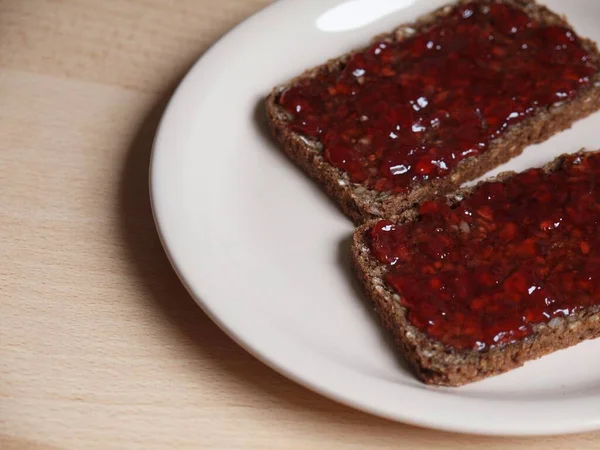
(360, 203)
(437, 364)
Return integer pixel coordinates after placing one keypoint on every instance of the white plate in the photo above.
(265, 253)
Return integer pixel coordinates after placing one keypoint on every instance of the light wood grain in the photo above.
(100, 345)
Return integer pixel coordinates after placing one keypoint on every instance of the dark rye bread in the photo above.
(360, 203)
(437, 364)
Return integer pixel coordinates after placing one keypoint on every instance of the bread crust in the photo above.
(361, 204)
(437, 364)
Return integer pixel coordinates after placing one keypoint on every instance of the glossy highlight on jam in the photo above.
(403, 112)
(509, 256)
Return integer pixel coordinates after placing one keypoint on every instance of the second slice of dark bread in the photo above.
(439, 364)
(361, 203)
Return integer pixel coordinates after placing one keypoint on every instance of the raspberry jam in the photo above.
(509, 256)
(403, 112)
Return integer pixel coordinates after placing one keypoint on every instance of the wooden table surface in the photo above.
(101, 347)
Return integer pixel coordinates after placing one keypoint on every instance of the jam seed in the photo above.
(585, 247)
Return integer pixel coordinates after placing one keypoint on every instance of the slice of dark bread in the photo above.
(439, 364)
(360, 203)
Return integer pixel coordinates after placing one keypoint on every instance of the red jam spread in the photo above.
(402, 112)
(509, 256)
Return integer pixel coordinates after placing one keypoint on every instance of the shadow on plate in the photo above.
(344, 258)
(260, 121)
(271, 145)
